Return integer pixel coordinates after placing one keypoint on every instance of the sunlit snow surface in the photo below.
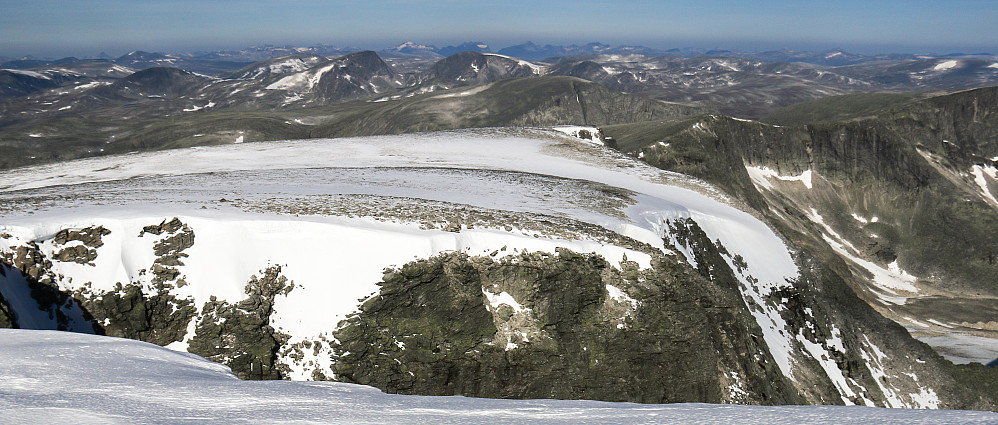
(336, 258)
(62, 377)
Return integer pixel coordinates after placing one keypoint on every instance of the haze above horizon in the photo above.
(85, 28)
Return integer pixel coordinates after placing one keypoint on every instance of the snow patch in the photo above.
(889, 282)
(537, 69)
(198, 108)
(469, 92)
(576, 131)
(761, 176)
(503, 298)
(950, 64)
(28, 73)
(980, 177)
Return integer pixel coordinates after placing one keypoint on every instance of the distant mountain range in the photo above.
(220, 61)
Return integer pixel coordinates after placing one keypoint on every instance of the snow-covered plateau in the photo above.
(65, 377)
(294, 236)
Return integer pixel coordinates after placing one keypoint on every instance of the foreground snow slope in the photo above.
(74, 378)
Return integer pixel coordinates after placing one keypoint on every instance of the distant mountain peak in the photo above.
(409, 45)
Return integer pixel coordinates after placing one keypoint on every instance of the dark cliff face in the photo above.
(897, 187)
(908, 166)
(434, 330)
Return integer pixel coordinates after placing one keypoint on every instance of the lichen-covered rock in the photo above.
(565, 326)
(128, 312)
(7, 318)
(239, 335)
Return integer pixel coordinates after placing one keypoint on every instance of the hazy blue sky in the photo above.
(72, 27)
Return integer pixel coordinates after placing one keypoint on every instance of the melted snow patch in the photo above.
(926, 398)
(981, 175)
(577, 131)
(503, 298)
(889, 282)
(616, 294)
(198, 108)
(831, 367)
(92, 84)
(468, 92)
(537, 69)
(761, 176)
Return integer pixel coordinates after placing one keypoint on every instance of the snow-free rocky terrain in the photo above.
(67, 377)
(491, 263)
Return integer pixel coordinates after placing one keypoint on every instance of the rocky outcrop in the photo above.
(130, 312)
(239, 335)
(7, 317)
(28, 265)
(169, 250)
(564, 326)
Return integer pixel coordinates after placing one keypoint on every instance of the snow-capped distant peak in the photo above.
(409, 45)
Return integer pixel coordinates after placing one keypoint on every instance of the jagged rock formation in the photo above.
(240, 335)
(568, 326)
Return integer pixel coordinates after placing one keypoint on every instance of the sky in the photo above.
(54, 28)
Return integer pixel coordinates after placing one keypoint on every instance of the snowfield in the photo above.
(334, 213)
(64, 377)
